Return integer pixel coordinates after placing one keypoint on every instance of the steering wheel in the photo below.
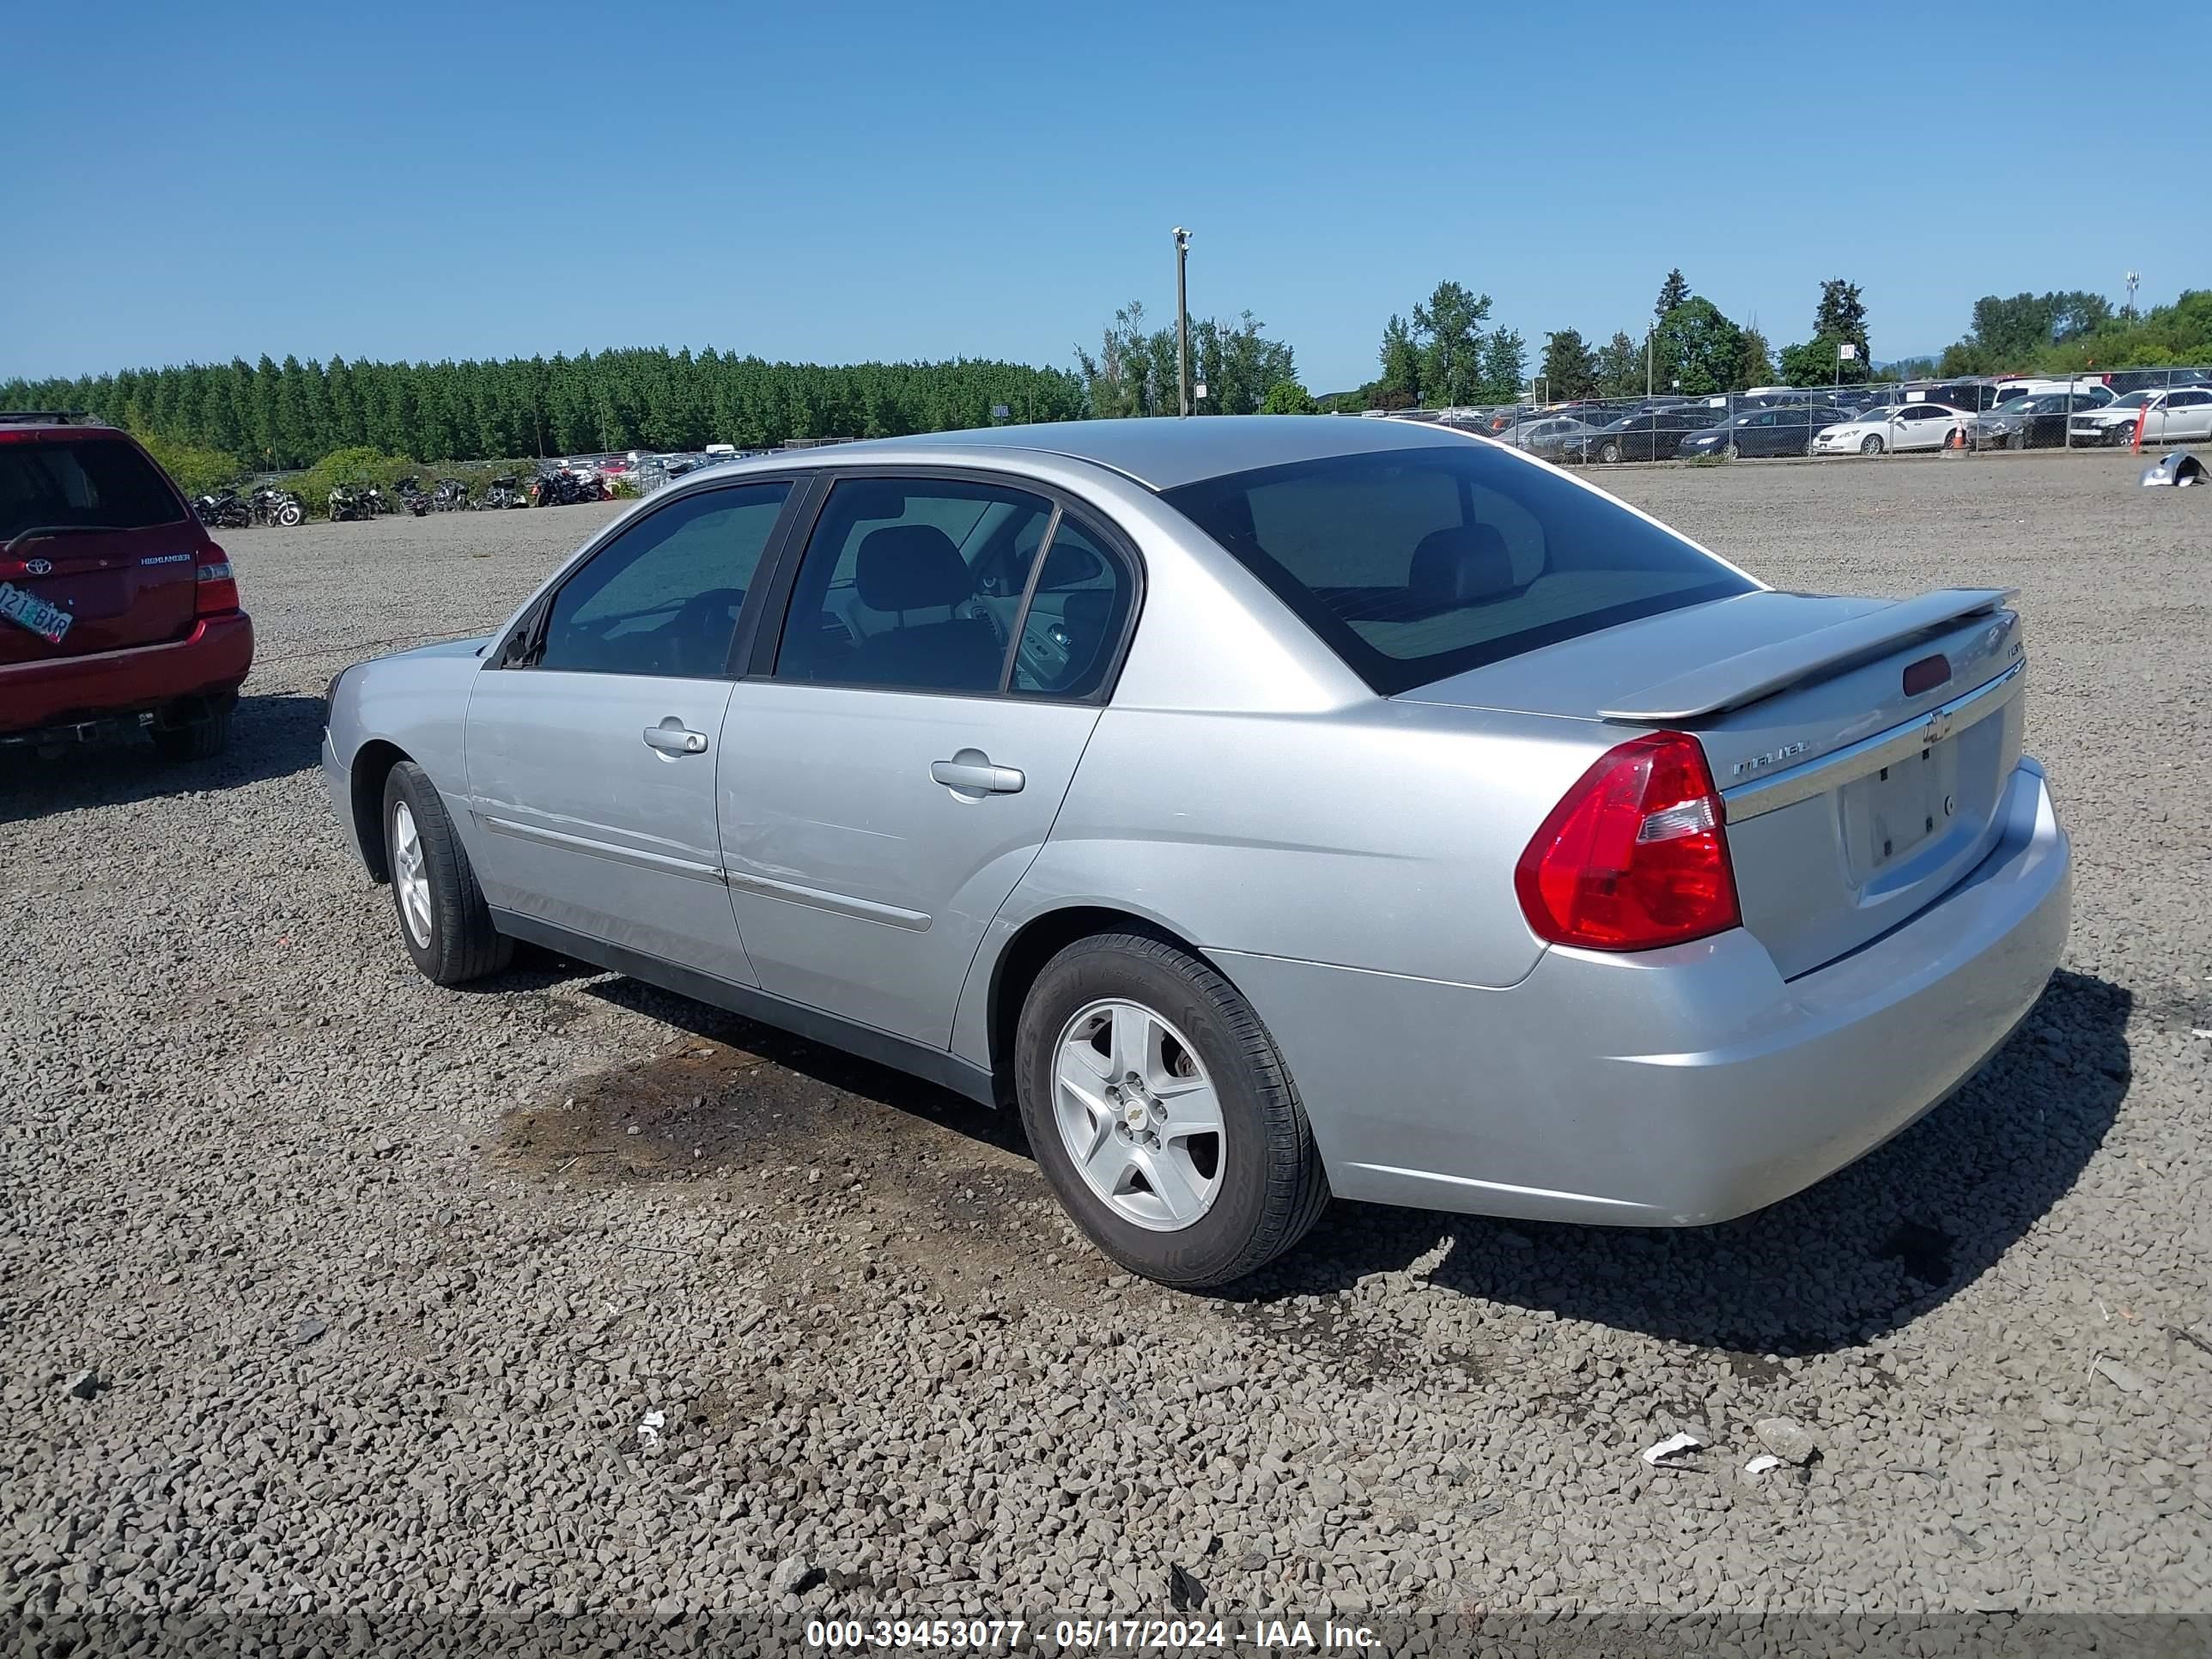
(699, 634)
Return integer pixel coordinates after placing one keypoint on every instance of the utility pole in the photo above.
(1182, 324)
(2129, 311)
(1648, 333)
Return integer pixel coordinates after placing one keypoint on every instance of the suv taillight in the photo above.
(1636, 855)
(217, 593)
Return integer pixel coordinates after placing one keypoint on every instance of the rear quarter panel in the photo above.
(1381, 838)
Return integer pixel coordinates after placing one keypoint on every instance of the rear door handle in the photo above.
(977, 775)
(673, 736)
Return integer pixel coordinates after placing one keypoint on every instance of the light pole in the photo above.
(1182, 324)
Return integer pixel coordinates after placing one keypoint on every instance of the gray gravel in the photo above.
(323, 1289)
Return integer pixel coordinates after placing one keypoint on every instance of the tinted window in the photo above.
(912, 583)
(1417, 563)
(87, 483)
(1076, 615)
(663, 596)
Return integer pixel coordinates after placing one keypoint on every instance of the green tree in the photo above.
(1571, 367)
(1755, 363)
(1814, 363)
(1674, 291)
(1448, 328)
(1505, 366)
(1289, 397)
(1696, 350)
(1841, 315)
(1400, 385)
(1619, 366)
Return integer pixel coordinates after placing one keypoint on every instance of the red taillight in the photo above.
(1635, 856)
(217, 593)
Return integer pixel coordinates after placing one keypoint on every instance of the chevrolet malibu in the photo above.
(1265, 808)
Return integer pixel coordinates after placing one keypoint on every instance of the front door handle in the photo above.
(971, 770)
(673, 736)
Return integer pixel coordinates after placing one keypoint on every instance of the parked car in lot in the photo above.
(118, 611)
(1551, 437)
(1895, 426)
(2181, 416)
(1266, 808)
(1785, 429)
(2035, 422)
(1649, 436)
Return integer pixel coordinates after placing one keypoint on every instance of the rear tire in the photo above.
(1262, 1187)
(200, 735)
(443, 920)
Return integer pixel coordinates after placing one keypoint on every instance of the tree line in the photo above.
(288, 415)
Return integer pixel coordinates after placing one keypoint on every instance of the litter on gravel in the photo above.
(1673, 1446)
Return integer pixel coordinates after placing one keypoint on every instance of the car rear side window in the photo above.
(88, 483)
(1414, 564)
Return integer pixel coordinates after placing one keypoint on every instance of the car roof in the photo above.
(1164, 453)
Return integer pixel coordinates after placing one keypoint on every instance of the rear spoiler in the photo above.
(1760, 673)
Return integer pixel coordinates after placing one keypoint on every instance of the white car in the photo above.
(2181, 416)
(1898, 426)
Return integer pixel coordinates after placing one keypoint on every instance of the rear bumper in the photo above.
(212, 658)
(1674, 1087)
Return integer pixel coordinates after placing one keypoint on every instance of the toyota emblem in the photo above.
(38, 567)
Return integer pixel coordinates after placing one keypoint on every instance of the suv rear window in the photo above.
(92, 483)
(1414, 564)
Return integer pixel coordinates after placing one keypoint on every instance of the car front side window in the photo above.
(663, 596)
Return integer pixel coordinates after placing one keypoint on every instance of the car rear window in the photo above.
(1414, 564)
(100, 483)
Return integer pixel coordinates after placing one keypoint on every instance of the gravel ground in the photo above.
(379, 1284)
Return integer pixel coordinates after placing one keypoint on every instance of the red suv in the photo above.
(117, 610)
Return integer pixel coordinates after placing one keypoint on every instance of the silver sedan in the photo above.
(1266, 808)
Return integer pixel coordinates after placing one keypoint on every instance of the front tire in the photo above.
(1871, 445)
(443, 920)
(1610, 453)
(1160, 1110)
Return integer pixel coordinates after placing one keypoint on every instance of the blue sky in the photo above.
(839, 182)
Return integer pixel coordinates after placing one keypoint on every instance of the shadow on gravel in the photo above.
(1866, 1251)
(737, 1092)
(272, 737)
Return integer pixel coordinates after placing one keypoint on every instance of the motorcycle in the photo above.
(500, 494)
(566, 488)
(450, 495)
(412, 496)
(349, 502)
(222, 511)
(277, 507)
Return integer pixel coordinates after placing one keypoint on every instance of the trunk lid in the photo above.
(89, 526)
(1857, 793)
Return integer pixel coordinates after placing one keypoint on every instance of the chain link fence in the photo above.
(2158, 407)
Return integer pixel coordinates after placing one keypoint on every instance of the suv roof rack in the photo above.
(49, 418)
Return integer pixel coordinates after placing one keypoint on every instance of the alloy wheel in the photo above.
(1138, 1114)
(409, 873)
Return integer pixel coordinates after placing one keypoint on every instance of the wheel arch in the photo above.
(372, 765)
(1036, 942)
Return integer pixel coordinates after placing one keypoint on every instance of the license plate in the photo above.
(1889, 814)
(43, 618)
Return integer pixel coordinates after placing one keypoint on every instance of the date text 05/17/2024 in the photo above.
(1077, 1635)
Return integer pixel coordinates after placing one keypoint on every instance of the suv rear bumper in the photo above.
(211, 660)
